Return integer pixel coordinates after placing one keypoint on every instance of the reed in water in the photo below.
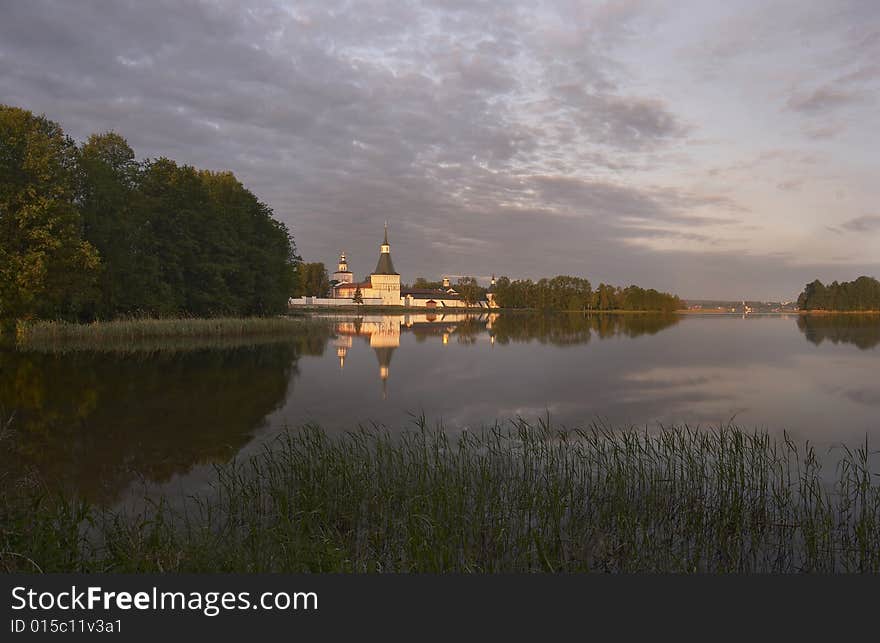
(511, 498)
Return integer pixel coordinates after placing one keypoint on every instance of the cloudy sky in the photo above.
(711, 148)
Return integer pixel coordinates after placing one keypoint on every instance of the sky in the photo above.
(708, 148)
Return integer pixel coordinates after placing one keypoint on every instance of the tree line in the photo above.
(467, 288)
(89, 232)
(574, 293)
(862, 294)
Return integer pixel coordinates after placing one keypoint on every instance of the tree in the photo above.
(93, 233)
(358, 296)
(47, 269)
(860, 295)
(424, 284)
(576, 294)
(254, 253)
(312, 279)
(605, 297)
(469, 290)
(108, 178)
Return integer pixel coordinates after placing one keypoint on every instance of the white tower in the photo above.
(343, 275)
(490, 297)
(385, 280)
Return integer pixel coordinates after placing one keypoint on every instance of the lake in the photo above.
(111, 424)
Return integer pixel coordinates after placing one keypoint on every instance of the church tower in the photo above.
(343, 275)
(385, 280)
(490, 297)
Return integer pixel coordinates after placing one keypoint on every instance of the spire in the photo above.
(385, 266)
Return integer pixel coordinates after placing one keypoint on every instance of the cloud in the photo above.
(790, 184)
(528, 138)
(867, 223)
(628, 122)
(823, 131)
(870, 397)
(823, 99)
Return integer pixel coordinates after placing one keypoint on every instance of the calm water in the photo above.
(110, 424)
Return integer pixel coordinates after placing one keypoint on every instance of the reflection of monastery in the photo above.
(382, 288)
(382, 332)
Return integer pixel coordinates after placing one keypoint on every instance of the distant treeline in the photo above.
(574, 293)
(863, 294)
(88, 232)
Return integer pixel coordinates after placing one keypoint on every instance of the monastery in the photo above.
(382, 288)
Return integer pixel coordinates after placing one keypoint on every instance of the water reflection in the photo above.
(861, 330)
(573, 328)
(96, 422)
(383, 332)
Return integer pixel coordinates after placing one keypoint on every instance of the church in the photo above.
(382, 288)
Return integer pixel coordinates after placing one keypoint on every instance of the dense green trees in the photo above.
(108, 179)
(47, 268)
(863, 294)
(469, 290)
(421, 282)
(573, 293)
(312, 280)
(90, 232)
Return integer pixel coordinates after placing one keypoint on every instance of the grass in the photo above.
(57, 335)
(511, 498)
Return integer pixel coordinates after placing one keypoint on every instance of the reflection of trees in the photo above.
(861, 330)
(96, 421)
(565, 329)
(466, 332)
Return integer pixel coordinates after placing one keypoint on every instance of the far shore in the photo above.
(781, 312)
(37, 332)
(838, 312)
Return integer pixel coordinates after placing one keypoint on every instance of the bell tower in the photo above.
(385, 280)
(343, 275)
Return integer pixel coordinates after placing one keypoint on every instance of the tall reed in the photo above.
(58, 335)
(512, 497)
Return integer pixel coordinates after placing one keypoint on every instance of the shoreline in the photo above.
(30, 334)
(473, 309)
(40, 334)
(779, 313)
(838, 312)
